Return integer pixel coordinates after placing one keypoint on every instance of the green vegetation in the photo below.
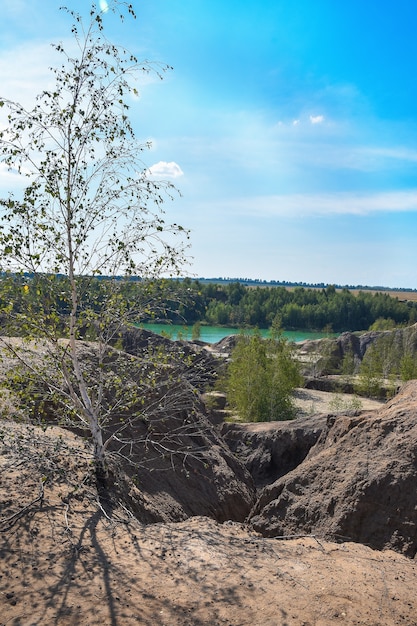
(261, 378)
(391, 359)
(88, 209)
(383, 324)
(339, 403)
(196, 331)
(192, 303)
(234, 304)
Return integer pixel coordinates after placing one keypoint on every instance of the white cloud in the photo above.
(338, 203)
(316, 119)
(166, 170)
(24, 71)
(6, 174)
(10, 179)
(303, 120)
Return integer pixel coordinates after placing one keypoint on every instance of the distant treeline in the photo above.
(258, 282)
(300, 308)
(190, 301)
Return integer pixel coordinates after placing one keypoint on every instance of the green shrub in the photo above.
(261, 378)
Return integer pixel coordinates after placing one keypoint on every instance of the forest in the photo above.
(233, 304)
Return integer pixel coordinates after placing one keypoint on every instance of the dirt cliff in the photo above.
(358, 483)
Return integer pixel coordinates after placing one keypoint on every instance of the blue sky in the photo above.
(290, 128)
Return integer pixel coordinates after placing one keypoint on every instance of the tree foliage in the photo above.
(389, 360)
(234, 304)
(261, 378)
(88, 208)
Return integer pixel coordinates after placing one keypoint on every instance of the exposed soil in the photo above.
(356, 483)
(311, 401)
(70, 556)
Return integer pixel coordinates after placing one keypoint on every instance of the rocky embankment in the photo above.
(321, 358)
(357, 483)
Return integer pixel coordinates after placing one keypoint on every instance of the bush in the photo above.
(261, 378)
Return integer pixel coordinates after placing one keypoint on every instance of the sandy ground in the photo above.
(70, 558)
(310, 402)
(199, 573)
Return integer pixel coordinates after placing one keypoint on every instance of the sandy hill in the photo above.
(310, 522)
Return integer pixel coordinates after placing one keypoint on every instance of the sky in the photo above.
(289, 128)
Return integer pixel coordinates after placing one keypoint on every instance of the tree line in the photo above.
(234, 304)
(190, 302)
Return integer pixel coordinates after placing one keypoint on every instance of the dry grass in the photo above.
(406, 296)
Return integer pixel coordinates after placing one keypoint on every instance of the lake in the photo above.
(212, 334)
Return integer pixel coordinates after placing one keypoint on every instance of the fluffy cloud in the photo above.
(316, 119)
(162, 169)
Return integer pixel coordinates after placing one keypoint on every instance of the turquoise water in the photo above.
(212, 334)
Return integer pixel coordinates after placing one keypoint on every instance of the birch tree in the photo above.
(88, 209)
